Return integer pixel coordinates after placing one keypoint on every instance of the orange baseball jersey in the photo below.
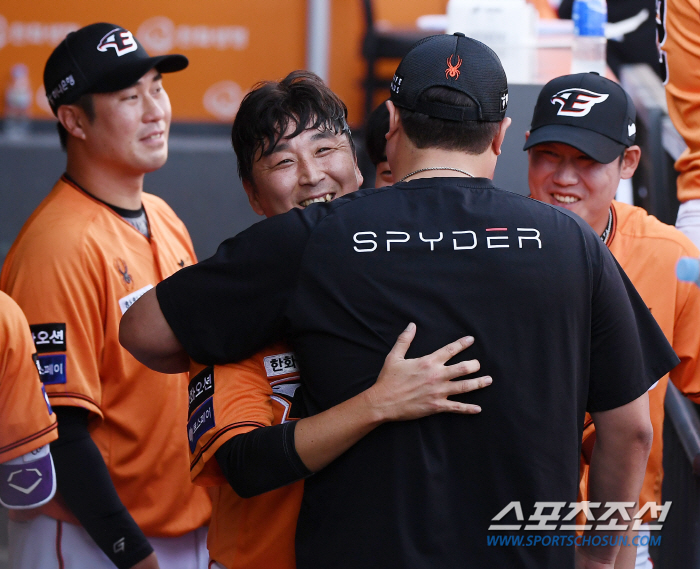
(75, 268)
(648, 251)
(678, 36)
(26, 420)
(226, 401)
(544, 9)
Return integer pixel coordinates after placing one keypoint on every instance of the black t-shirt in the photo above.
(557, 324)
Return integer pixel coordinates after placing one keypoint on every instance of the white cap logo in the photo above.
(577, 102)
(119, 39)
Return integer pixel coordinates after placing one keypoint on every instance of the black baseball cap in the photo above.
(456, 62)
(589, 112)
(100, 58)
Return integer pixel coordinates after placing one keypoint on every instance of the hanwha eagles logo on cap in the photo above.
(577, 102)
(120, 39)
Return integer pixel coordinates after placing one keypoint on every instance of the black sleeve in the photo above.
(565, 9)
(229, 306)
(85, 485)
(629, 352)
(261, 460)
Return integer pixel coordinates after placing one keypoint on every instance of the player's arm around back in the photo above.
(623, 442)
(146, 334)
(405, 389)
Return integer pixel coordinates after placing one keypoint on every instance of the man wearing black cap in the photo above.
(96, 243)
(580, 146)
(555, 322)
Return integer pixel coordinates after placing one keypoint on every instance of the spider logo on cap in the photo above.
(453, 70)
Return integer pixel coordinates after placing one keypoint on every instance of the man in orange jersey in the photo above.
(678, 38)
(580, 145)
(27, 423)
(229, 404)
(94, 244)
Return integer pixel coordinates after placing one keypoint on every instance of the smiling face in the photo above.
(130, 130)
(315, 166)
(561, 175)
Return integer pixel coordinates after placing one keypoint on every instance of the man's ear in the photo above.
(252, 194)
(630, 161)
(358, 174)
(393, 119)
(72, 118)
(527, 135)
(500, 135)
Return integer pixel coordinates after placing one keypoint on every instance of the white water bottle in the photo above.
(18, 101)
(589, 47)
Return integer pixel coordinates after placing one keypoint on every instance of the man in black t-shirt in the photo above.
(557, 322)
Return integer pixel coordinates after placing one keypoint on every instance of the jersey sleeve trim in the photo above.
(228, 429)
(77, 400)
(39, 434)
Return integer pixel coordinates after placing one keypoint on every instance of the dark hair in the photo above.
(375, 133)
(266, 112)
(86, 103)
(472, 137)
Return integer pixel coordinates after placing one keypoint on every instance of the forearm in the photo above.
(618, 464)
(145, 334)
(324, 437)
(267, 458)
(86, 487)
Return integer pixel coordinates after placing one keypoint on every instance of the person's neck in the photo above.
(456, 164)
(114, 187)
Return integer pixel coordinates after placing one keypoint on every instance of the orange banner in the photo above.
(231, 45)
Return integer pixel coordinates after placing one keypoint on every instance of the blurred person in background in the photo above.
(678, 36)
(376, 127)
(637, 46)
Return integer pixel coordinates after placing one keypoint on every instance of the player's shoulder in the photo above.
(160, 213)
(277, 359)
(157, 205)
(62, 220)
(635, 223)
(11, 315)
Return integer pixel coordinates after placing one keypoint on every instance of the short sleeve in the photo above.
(629, 352)
(231, 305)
(239, 402)
(62, 294)
(27, 420)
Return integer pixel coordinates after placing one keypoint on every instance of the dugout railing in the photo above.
(655, 189)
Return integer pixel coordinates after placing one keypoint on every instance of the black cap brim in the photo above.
(131, 73)
(599, 147)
